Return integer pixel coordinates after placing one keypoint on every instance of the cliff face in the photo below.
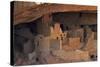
(25, 12)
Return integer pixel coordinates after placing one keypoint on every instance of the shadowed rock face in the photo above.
(23, 43)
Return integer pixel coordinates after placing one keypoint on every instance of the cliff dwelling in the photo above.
(49, 33)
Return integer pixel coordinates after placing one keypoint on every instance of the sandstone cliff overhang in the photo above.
(25, 12)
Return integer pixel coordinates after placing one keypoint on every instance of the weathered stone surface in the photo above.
(65, 34)
(87, 33)
(81, 34)
(65, 42)
(42, 48)
(71, 56)
(28, 47)
(43, 25)
(43, 28)
(52, 59)
(90, 44)
(76, 33)
(54, 44)
(31, 13)
(44, 44)
(74, 43)
(32, 55)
